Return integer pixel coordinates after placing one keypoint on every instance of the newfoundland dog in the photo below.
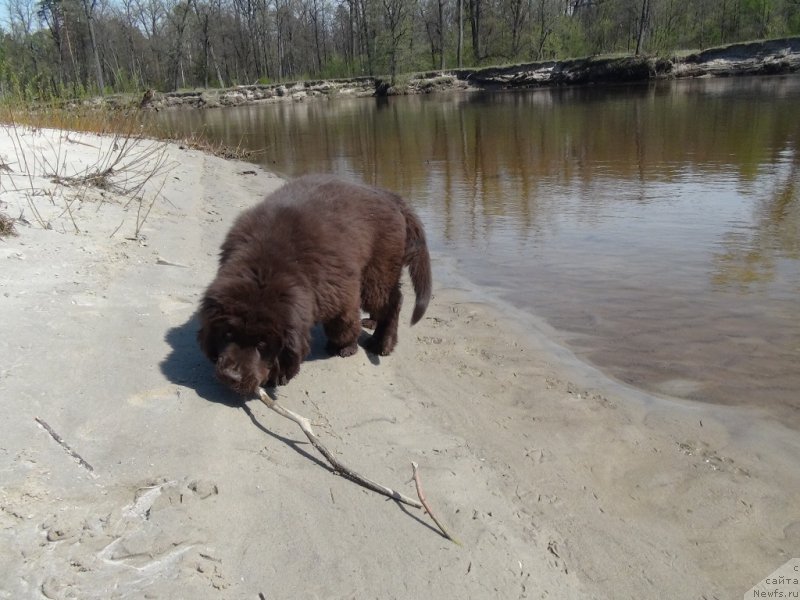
(318, 250)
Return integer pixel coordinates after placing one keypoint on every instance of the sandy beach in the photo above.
(560, 482)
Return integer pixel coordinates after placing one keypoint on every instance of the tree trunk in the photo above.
(475, 25)
(642, 25)
(460, 48)
(317, 45)
(441, 33)
(216, 65)
(366, 37)
(88, 11)
(351, 41)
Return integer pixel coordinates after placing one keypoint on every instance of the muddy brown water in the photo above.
(656, 227)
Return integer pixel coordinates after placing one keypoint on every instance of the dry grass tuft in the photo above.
(6, 226)
(77, 118)
(126, 123)
(199, 142)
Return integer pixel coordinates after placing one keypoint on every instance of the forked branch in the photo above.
(345, 471)
(338, 467)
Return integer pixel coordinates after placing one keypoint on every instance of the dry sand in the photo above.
(560, 482)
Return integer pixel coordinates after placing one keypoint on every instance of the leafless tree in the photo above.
(58, 47)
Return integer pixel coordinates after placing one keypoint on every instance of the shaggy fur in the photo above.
(318, 250)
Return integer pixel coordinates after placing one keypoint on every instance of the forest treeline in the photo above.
(68, 48)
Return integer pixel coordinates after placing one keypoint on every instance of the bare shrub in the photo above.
(125, 163)
(6, 226)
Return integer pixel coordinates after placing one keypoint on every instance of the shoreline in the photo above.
(557, 479)
(540, 334)
(769, 57)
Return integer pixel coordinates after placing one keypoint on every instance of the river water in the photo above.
(656, 227)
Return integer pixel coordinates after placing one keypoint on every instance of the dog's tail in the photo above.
(419, 263)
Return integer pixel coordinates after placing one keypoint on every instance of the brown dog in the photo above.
(317, 250)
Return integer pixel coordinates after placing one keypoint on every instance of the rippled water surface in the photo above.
(657, 228)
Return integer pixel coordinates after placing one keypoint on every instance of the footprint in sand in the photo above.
(154, 396)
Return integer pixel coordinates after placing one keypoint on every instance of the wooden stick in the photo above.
(339, 468)
(426, 506)
(43, 424)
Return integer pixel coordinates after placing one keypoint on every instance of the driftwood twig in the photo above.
(341, 469)
(345, 471)
(65, 446)
(427, 507)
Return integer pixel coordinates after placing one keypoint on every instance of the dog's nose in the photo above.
(229, 375)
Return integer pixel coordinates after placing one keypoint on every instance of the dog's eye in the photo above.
(228, 336)
(261, 347)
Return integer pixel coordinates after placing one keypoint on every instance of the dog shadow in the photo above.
(319, 352)
(187, 366)
(318, 341)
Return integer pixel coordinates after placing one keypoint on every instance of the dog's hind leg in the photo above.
(384, 339)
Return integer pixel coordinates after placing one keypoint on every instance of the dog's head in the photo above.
(252, 335)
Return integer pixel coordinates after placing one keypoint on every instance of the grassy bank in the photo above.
(103, 119)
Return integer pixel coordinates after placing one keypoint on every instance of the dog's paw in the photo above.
(343, 351)
(274, 382)
(348, 350)
(368, 323)
(380, 347)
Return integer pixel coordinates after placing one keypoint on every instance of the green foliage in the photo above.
(123, 81)
(169, 44)
(336, 68)
(793, 24)
(570, 41)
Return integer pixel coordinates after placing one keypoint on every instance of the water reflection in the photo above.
(753, 251)
(657, 226)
